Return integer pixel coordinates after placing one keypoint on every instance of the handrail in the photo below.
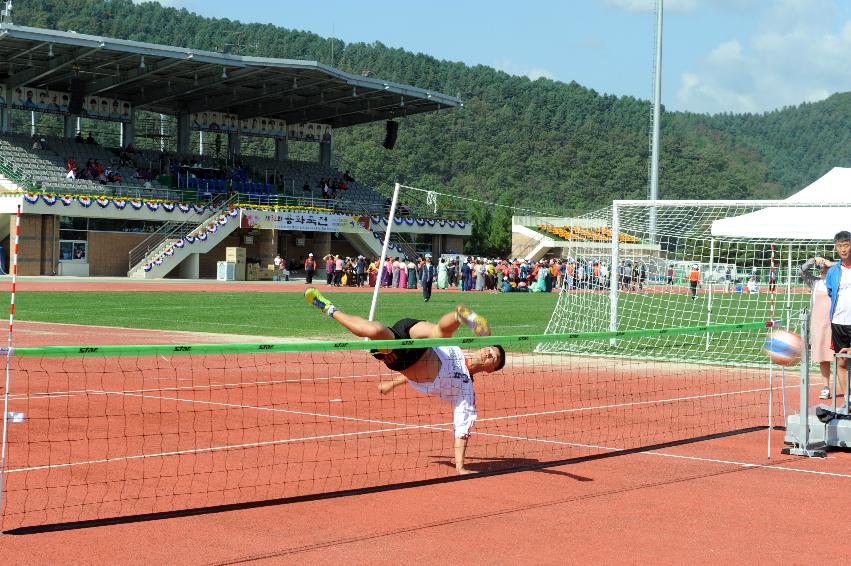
(173, 231)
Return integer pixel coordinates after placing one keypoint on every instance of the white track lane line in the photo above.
(400, 427)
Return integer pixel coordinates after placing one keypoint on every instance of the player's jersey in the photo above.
(455, 385)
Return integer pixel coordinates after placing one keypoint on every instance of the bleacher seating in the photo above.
(267, 179)
(580, 234)
(47, 167)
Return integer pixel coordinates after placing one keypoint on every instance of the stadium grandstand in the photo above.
(534, 238)
(152, 199)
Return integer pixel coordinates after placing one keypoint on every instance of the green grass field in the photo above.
(288, 315)
(272, 314)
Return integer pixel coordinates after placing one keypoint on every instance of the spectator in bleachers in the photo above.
(91, 139)
(305, 188)
(347, 177)
(79, 138)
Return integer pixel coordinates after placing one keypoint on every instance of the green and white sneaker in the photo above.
(315, 298)
(476, 322)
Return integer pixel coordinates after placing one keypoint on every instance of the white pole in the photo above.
(657, 111)
(390, 218)
(32, 123)
(788, 319)
(614, 273)
(709, 300)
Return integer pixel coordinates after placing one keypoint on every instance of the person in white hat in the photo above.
(309, 268)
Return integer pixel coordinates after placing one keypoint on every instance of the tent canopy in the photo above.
(798, 223)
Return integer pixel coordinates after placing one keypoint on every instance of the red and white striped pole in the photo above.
(6, 415)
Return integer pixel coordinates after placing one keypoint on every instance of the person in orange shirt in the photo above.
(309, 268)
(693, 280)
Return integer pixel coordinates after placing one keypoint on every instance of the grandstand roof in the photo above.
(167, 79)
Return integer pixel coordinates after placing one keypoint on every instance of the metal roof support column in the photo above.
(233, 144)
(128, 130)
(282, 149)
(184, 134)
(70, 127)
(325, 153)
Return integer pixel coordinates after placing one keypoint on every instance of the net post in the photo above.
(614, 273)
(803, 448)
(390, 217)
(3, 442)
(804, 430)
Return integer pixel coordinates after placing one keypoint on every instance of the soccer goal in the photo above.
(689, 263)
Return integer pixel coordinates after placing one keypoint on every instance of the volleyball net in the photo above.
(100, 432)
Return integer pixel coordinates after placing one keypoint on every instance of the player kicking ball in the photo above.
(442, 371)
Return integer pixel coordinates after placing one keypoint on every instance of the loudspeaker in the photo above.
(390, 137)
(75, 103)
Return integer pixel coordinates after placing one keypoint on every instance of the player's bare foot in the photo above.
(385, 387)
(464, 471)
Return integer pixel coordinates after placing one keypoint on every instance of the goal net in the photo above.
(684, 263)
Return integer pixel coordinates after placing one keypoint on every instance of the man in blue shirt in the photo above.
(838, 283)
(427, 274)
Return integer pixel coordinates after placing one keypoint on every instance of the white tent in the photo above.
(798, 223)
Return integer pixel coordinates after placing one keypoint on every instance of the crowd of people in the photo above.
(93, 170)
(470, 274)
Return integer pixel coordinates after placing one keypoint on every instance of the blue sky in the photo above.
(718, 55)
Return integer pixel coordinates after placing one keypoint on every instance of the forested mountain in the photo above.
(552, 146)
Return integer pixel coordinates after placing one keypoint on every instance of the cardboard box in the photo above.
(236, 255)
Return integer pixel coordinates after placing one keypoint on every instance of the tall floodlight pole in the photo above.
(657, 110)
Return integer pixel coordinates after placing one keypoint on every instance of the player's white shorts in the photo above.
(454, 385)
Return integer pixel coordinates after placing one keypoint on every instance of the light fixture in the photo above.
(224, 72)
(50, 50)
(354, 92)
(142, 62)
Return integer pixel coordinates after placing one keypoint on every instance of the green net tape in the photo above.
(472, 342)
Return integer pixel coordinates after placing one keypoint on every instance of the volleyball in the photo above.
(783, 347)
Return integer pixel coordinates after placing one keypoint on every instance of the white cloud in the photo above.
(650, 5)
(797, 54)
(522, 70)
